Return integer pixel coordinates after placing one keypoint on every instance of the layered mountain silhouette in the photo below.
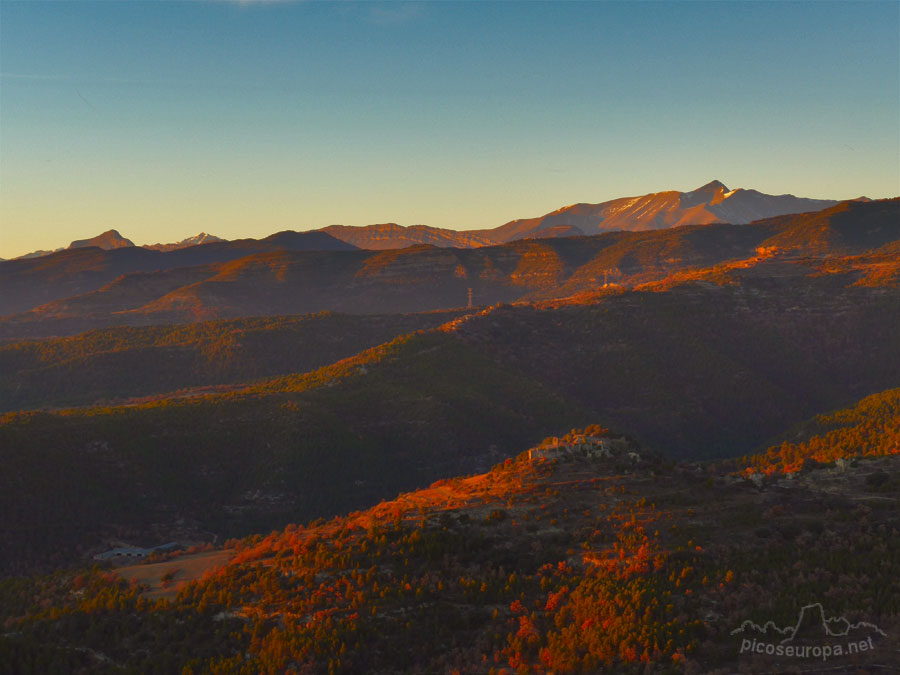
(711, 203)
(292, 272)
(215, 403)
(36, 254)
(108, 241)
(29, 282)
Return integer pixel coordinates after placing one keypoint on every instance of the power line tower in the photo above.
(470, 298)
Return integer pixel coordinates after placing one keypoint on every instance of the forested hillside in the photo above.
(869, 429)
(698, 371)
(126, 362)
(571, 564)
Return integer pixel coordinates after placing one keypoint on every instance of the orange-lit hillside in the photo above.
(869, 429)
(570, 564)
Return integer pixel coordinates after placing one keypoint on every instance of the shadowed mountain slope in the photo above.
(700, 370)
(29, 282)
(125, 362)
(342, 437)
(573, 561)
(425, 278)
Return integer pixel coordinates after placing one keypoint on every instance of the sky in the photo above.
(242, 118)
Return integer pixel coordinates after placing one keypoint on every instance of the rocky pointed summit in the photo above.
(712, 187)
(713, 192)
(109, 240)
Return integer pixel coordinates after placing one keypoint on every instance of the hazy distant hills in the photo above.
(391, 235)
(76, 290)
(108, 241)
(711, 203)
(30, 282)
(36, 254)
(196, 240)
(111, 239)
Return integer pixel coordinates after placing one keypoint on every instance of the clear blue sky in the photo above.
(162, 119)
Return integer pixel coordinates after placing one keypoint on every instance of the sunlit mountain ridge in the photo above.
(711, 203)
(281, 275)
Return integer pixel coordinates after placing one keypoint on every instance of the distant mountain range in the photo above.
(711, 203)
(40, 253)
(196, 240)
(111, 240)
(291, 272)
(28, 282)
